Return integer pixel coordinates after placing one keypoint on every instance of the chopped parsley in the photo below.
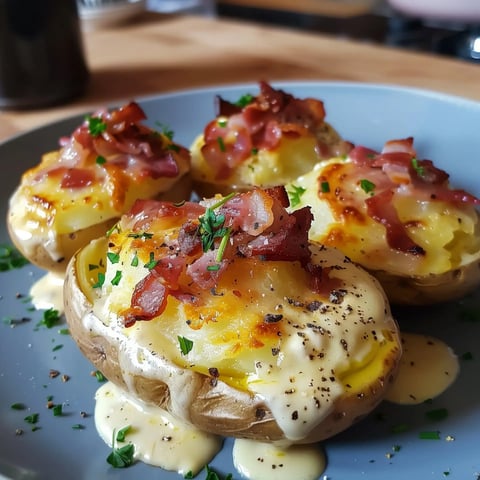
(57, 410)
(212, 225)
(100, 160)
(221, 144)
(185, 344)
(51, 317)
(151, 262)
(99, 376)
(367, 186)
(121, 457)
(166, 130)
(32, 419)
(144, 235)
(121, 434)
(222, 122)
(116, 279)
(11, 258)
(18, 406)
(113, 257)
(418, 168)
(295, 195)
(244, 100)
(96, 126)
(100, 280)
(325, 187)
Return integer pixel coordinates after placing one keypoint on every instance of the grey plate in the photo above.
(445, 130)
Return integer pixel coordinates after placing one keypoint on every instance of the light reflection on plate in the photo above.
(386, 445)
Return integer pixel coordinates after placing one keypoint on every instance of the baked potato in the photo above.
(223, 314)
(398, 217)
(263, 141)
(79, 191)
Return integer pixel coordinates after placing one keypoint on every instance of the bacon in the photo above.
(149, 300)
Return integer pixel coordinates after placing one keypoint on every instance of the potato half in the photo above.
(398, 217)
(263, 141)
(239, 343)
(78, 192)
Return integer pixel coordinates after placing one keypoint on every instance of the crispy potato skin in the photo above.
(213, 406)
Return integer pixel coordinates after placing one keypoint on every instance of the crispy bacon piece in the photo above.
(258, 225)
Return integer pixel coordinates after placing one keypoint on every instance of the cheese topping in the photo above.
(260, 329)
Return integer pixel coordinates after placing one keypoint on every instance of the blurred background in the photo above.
(445, 27)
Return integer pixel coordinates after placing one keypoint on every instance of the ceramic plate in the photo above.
(385, 445)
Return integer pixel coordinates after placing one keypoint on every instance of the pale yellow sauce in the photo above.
(47, 292)
(427, 368)
(264, 461)
(159, 438)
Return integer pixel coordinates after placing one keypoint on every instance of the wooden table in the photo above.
(160, 53)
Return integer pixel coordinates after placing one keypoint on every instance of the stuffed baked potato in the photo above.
(262, 141)
(76, 193)
(222, 313)
(398, 217)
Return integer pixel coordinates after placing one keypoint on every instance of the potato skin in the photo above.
(213, 406)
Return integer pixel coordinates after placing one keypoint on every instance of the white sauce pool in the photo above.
(159, 438)
(264, 461)
(427, 368)
(47, 292)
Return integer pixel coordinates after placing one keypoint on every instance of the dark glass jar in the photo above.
(42, 60)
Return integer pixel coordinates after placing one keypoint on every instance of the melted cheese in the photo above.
(427, 368)
(159, 439)
(322, 349)
(448, 233)
(265, 461)
(47, 292)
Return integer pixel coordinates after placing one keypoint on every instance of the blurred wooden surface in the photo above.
(158, 53)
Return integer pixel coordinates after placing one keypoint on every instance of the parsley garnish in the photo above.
(113, 257)
(100, 376)
(221, 144)
(121, 434)
(11, 258)
(212, 225)
(116, 279)
(438, 414)
(166, 130)
(32, 419)
(325, 187)
(96, 126)
(244, 100)
(151, 262)
(18, 406)
(50, 318)
(222, 122)
(186, 345)
(295, 195)
(100, 280)
(418, 168)
(433, 435)
(121, 457)
(100, 160)
(57, 410)
(367, 186)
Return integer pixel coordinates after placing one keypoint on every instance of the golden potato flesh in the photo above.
(246, 344)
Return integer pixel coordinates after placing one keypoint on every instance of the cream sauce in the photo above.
(427, 368)
(159, 438)
(263, 461)
(47, 292)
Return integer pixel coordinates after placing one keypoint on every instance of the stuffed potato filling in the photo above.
(263, 140)
(231, 290)
(108, 162)
(391, 211)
